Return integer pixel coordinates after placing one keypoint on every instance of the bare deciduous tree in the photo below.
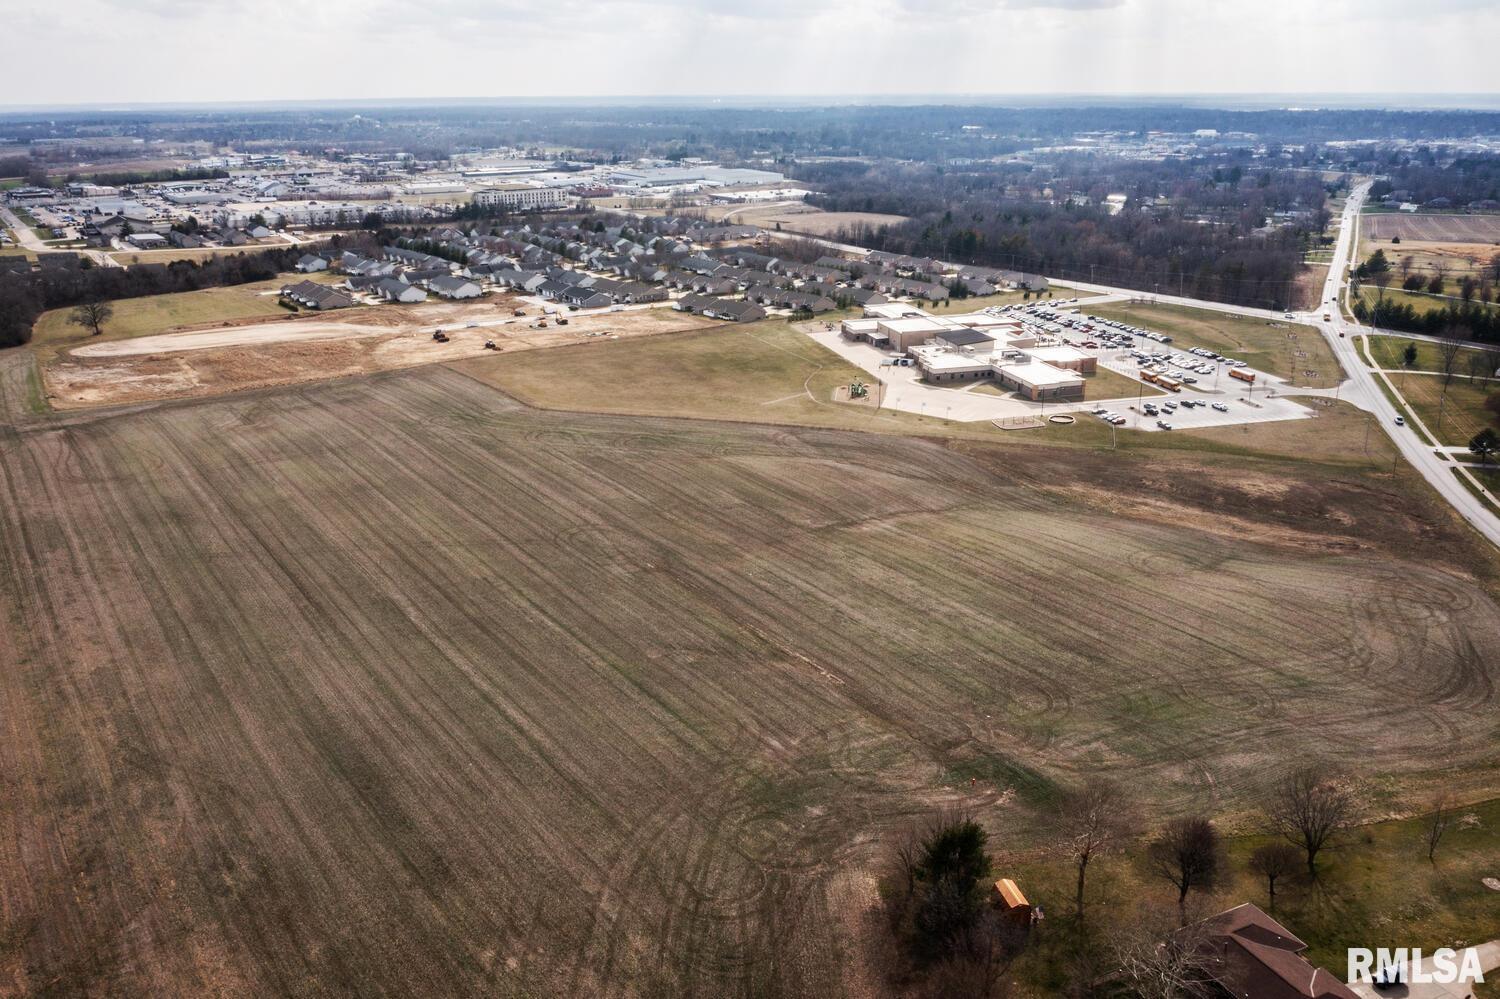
(92, 315)
(1093, 820)
(1309, 808)
(1159, 961)
(1450, 345)
(1439, 819)
(1189, 856)
(1272, 861)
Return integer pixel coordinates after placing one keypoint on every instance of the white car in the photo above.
(1221, 407)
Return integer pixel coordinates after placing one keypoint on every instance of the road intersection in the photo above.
(1451, 479)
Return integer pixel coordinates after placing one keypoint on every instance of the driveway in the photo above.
(1489, 961)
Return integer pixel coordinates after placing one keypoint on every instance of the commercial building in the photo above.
(1040, 381)
(521, 199)
(1063, 356)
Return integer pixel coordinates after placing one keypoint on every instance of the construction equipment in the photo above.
(490, 345)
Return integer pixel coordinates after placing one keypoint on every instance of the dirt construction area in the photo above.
(259, 354)
(394, 686)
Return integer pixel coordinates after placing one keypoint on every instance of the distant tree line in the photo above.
(1195, 228)
(1464, 180)
(38, 173)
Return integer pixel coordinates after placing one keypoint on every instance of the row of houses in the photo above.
(311, 295)
(731, 309)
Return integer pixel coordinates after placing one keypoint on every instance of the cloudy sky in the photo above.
(114, 51)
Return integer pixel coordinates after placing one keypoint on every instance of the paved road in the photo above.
(1363, 391)
(24, 236)
(29, 240)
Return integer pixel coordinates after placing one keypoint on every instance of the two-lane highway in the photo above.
(1362, 390)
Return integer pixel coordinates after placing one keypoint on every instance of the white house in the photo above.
(455, 287)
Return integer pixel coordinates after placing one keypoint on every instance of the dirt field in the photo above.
(234, 357)
(800, 218)
(366, 686)
(1480, 229)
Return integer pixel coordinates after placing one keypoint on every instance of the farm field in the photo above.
(1289, 350)
(362, 686)
(1432, 228)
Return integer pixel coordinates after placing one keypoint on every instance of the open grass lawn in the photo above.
(392, 685)
(1286, 349)
(1488, 477)
(1387, 352)
(161, 313)
(1104, 385)
(1377, 889)
(128, 257)
(1339, 434)
(759, 371)
(1463, 412)
(1420, 301)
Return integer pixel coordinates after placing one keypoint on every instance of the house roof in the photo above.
(1254, 956)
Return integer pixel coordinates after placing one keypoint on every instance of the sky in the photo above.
(113, 52)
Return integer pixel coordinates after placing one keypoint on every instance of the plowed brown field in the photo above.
(395, 687)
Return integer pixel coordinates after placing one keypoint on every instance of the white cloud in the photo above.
(202, 50)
